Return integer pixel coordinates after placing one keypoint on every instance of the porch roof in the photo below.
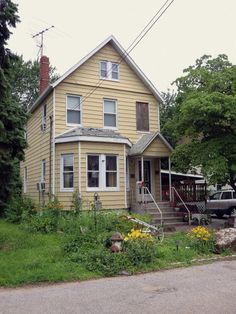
(145, 141)
(92, 134)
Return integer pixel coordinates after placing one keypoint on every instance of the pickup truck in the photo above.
(222, 203)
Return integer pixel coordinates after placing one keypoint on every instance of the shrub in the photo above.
(18, 208)
(43, 220)
(140, 251)
(103, 261)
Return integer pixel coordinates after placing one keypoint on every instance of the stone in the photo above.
(225, 238)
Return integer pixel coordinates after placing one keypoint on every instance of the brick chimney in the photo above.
(43, 74)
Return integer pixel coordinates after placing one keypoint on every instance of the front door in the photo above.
(147, 166)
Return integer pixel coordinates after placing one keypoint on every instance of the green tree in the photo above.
(12, 115)
(24, 80)
(167, 113)
(206, 119)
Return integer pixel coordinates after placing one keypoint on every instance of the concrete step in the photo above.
(164, 214)
(167, 220)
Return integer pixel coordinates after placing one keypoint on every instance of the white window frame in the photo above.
(109, 65)
(80, 110)
(116, 188)
(62, 188)
(43, 118)
(109, 127)
(102, 174)
(43, 170)
(25, 179)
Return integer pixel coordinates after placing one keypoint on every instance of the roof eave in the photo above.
(41, 98)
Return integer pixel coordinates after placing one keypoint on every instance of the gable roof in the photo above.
(141, 145)
(117, 46)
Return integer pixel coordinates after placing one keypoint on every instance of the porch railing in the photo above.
(182, 201)
(152, 198)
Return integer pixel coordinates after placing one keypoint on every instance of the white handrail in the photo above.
(144, 187)
(189, 214)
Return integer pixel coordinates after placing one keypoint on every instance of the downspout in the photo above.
(50, 159)
(54, 126)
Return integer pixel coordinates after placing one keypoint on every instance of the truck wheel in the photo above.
(232, 210)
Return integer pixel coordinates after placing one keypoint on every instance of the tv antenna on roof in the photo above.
(41, 33)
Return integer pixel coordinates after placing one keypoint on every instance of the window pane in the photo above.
(103, 71)
(215, 196)
(110, 162)
(93, 163)
(115, 75)
(226, 196)
(73, 116)
(93, 179)
(68, 163)
(109, 106)
(234, 194)
(111, 179)
(68, 180)
(110, 120)
(73, 102)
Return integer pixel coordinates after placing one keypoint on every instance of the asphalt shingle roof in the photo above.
(91, 132)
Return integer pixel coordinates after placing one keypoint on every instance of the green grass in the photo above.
(27, 258)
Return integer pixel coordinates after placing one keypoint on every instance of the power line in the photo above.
(131, 47)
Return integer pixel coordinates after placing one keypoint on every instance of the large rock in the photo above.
(226, 238)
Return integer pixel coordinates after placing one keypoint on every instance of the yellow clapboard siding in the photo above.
(157, 148)
(38, 149)
(127, 91)
(110, 199)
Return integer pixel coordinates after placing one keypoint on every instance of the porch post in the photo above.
(142, 178)
(170, 191)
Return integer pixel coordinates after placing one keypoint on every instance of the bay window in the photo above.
(102, 173)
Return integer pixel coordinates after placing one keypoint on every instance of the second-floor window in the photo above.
(73, 104)
(109, 70)
(109, 109)
(142, 116)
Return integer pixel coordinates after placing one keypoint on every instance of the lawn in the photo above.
(27, 258)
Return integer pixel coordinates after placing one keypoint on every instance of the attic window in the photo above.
(109, 70)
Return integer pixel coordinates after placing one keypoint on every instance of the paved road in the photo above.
(199, 289)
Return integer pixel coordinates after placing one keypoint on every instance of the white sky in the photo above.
(188, 30)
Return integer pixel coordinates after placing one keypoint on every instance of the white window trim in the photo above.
(81, 113)
(110, 127)
(117, 188)
(25, 179)
(109, 71)
(102, 174)
(62, 189)
(93, 189)
(43, 175)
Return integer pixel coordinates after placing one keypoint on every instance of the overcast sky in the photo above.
(188, 30)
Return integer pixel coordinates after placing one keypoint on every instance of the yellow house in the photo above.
(96, 130)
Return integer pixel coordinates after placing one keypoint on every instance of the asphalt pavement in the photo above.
(201, 289)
